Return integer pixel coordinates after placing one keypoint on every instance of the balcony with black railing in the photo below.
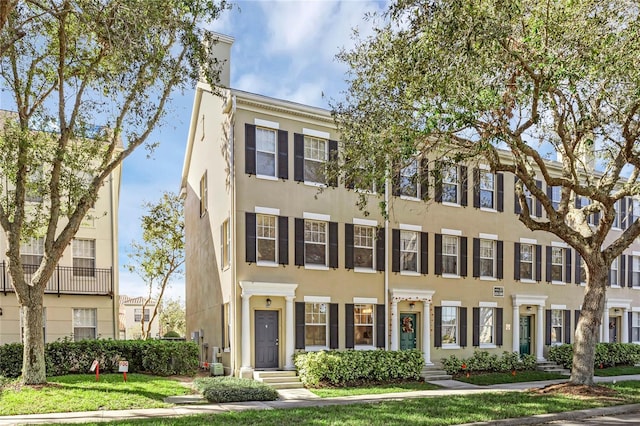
(65, 280)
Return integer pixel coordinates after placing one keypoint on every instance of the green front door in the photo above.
(407, 331)
(525, 335)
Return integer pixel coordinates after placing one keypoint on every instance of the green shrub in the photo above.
(483, 361)
(172, 334)
(233, 389)
(607, 354)
(350, 367)
(162, 358)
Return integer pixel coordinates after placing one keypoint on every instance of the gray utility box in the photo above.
(216, 369)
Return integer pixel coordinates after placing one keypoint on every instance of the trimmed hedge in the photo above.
(233, 389)
(483, 361)
(350, 367)
(607, 354)
(158, 357)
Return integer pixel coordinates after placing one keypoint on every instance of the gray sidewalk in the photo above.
(297, 398)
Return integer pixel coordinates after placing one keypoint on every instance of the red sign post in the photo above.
(96, 367)
(123, 367)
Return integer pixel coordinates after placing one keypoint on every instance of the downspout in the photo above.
(387, 249)
(232, 225)
(115, 267)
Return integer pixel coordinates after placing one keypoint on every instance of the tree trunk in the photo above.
(588, 327)
(33, 363)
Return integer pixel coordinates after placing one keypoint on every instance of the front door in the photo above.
(613, 330)
(525, 335)
(407, 331)
(266, 339)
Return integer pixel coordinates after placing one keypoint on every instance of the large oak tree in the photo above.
(511, 84)
(89, 80)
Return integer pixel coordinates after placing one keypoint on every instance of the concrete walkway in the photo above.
(297, 398)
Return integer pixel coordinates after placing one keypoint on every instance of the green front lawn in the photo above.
(81, 392)
(485, 379)
(449, 410)
(616, 371)
(373, 389)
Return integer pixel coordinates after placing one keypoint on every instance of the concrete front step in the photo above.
(279, 373)
(279, 379)
(434, 373)
(287, 385)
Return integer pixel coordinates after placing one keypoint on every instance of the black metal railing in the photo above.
(65, 280)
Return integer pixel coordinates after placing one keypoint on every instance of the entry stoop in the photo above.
(551, 367)
(279, 379)
(434, 372)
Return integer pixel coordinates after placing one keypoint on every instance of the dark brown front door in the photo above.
(266, 339)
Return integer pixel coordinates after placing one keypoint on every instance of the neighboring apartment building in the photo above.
(133, 315)
(81, 298)
(273, 266)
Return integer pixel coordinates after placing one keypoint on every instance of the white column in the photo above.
(540, 333)
(246, 336)
(426, 332)
(625, 326)
(395, 345)
(289, 336)
(515, 329)
(605, 325)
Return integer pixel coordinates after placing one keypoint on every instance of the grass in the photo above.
(622, 370)
(447, 410)
(485, 379)
(80, 392)
(373, 389)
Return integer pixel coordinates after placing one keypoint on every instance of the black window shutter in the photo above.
(437, 185)
(499, 326)
(283, 154)
(547, 327)
(395, 250)
(476, 258)
(348, 326)
(298, 157)
(548, 264)
(476, 190)
(222, 326)
(500, 260)
(576, 318)
(424, 253)
(250, 149)
(567, 326)
(424, 179)
(550, 192)
(463, 256)
(538, 262)
(333, 326)
(623, 270)
(333, 245)
(500, 197)
(463, 326)
(630, 272)
(333, 156)
(578, 268)
(299, 237)
(300, 325)
(476, 327)
(348, 246)
(437, 326)
(538, 212)
(516, 261)
(438, 254)
(250, 222)
(630, 326)
(381, 326)
(283, 240)
(464, 186)
(577, 202)
(517, 209)
(567, 266)
(380, 256)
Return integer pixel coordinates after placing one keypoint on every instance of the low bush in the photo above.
(607, 354)
(233, 389)
(483, 361)
(354, 367)
(158, 357)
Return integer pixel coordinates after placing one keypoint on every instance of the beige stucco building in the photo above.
(81, 298)
(274, 266)
(134, 315)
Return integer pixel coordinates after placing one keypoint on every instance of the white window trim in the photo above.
(267, 210)
(493, 190)
(365, 222)
(488, 236)
(528, 241)
(266, 123)
(362, 270)
(267, 263)
(317, 299)
(410, 273)
(325, 300)
(408, 227)
(449, 204)
(316, 133)
(493, 238)
(316, 216)
(454, 232)
(317, 267)
(326, 247)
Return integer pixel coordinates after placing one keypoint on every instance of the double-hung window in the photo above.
(315, 242)
(614, 273)
(487, 189)
(635, 271)
(556, 195)
(526, 261)
(449, 325)
(558, 264)
(84, 324)
(487, 258)
(315, 158)
(84, 258)
(363, 323)
(557, 326)
(137, 314)
(267, 238)
(409, 251)
(266, 152)
(31, 253)
(635, 327)
(450, 254)
(315, 328)
(409, 179)
(487, 326)
(451, 184)
(363, 240)
(616, 217)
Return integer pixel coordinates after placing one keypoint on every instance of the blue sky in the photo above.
(283, 49)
